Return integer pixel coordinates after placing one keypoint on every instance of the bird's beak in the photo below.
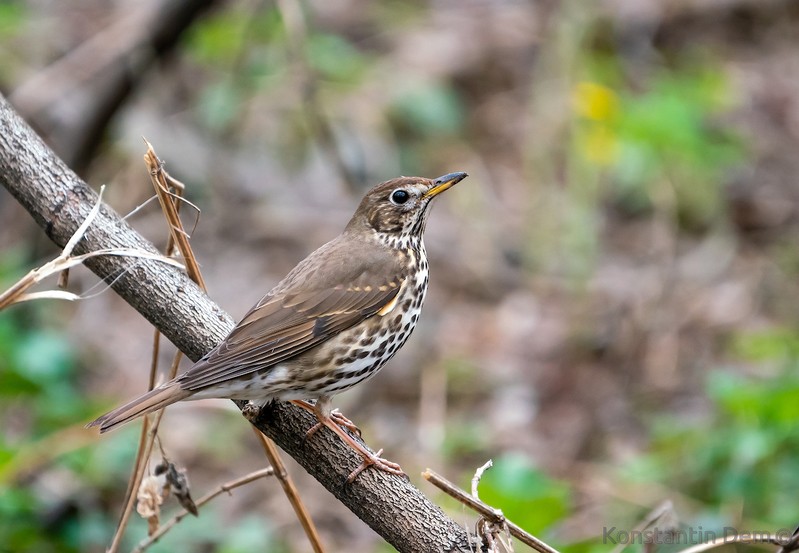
(443, 183)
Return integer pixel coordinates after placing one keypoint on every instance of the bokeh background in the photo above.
(614, 300)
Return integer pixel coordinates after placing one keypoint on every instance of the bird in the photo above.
(330, 324)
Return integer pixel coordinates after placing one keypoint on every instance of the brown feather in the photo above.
(261, 347)
(305, 309)
(153, 400)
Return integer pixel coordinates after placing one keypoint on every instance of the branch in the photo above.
(771, 539)
(100, 74)
(489, 512)
(58, 200)
(224, 488)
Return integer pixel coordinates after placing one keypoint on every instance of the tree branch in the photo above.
(100, 74)
(58, 200)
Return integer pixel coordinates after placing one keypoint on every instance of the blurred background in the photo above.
(614, 307)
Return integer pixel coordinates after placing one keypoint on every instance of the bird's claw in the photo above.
(339, 419)
(374, 460)
(313, 430)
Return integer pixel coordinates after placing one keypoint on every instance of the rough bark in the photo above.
(58, 200)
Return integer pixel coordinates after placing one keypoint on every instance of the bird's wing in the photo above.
(283, 327)
(287, 323)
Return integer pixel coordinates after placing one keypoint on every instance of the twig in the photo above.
(226, 487)
(15, 293)
(169, 206)
(724, 540)
(290, 490)
(664, 509)
(487, 511)
(170, 203)
(64, 261)
(144, 449)
(491, 531)
(148, 434)
(792, 544)
(478, 474)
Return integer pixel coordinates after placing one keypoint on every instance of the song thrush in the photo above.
(331, 323)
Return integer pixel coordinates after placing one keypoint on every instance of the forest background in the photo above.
(614, 290)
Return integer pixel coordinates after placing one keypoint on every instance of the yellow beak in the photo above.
(444, 183)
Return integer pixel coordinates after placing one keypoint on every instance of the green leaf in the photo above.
(429, 109)
(12, 18)
(219, 104)
(335, 58)
(769, 345)
(44, 356)
(526, 496)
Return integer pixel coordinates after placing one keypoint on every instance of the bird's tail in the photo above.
(164, 395)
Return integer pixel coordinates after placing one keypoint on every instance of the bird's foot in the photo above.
(374, 460)
(251, 411)
(335, 421)
(337, 418)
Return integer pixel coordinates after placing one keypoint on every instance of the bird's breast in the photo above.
(358, 353)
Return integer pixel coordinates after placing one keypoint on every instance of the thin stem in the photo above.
(226, 487)
(290, 490)
(725, 540)
(145, 447)
(651, 518)
(495, 515)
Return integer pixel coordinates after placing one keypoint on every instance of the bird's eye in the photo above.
(400, 196)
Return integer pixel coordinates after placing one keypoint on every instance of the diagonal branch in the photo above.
(100, 74)
(58, 200)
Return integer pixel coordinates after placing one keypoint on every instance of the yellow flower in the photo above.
(594, 101)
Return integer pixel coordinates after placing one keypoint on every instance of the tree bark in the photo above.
(59, 201)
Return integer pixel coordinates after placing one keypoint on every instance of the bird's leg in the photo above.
(325, 415)
(336, 415)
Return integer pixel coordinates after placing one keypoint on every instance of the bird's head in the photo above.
(400, 206)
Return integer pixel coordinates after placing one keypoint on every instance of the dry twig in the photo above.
(478, 474)
(170, 206)
(792, 544)
(663, 511)
(491, 531)
(65, 260)
(290, 490)
(226, 487)
(738, 538)
(489, 512)
(170, 202)
(136, 477)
